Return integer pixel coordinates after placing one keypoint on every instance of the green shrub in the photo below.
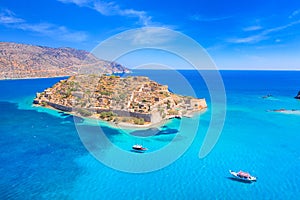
(108, 115)
(44, 103)
(139, 121)
(84, 112)
(142, 121)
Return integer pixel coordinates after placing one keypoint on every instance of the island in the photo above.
(133, 100)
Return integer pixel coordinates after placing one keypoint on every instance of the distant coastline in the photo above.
(20, 61)
(220, 70)
(27, 78)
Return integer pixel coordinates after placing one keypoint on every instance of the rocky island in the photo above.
(297, 96)
(131, 100)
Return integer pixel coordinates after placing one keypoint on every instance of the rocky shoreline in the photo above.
(123, 125)
(297, 96)
(126, 102)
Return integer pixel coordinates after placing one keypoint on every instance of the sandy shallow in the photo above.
(124, 125)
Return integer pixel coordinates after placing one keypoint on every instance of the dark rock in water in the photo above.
(298, 95)
(280, 110)
(36, 101)
(267, 96)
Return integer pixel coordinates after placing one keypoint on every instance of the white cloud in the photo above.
(250, 39)
(278, 40)
(8, 19)
(110, 8)
(144, 19)
(77, 2)
(152, 36)
(294, 13)
(263, 35)
(106, 8)
(200, 18)
(54, 31)
(252, 28)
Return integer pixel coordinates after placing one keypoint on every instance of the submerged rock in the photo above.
(298, 95)
(267, 96)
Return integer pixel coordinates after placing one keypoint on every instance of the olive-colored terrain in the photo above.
(134, 99)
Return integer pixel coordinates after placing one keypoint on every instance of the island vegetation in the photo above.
(131, 100)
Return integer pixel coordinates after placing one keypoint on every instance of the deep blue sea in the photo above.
(42, 155)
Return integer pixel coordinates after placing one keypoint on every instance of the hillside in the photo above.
(28, 61)
(135, 100)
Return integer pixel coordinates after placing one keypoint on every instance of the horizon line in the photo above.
(217, 69)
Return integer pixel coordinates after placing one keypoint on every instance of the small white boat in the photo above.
(139, 147)
(244, 176)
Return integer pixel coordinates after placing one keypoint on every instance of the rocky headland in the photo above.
(286, 111)
(131, 100)
(297, 96)
(28, 61)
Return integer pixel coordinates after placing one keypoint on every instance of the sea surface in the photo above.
(42, 155)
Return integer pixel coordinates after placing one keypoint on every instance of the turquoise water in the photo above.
(42, 156)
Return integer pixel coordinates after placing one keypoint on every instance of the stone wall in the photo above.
(60, 107)
(124, 113)
(153, 117)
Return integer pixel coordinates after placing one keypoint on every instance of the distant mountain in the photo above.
(28, 61)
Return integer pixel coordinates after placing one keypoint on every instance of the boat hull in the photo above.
(139, 148)
(246, 179)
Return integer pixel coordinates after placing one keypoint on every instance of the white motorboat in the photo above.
(139, 147)
(244, 176)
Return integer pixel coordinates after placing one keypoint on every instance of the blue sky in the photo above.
(237, 34)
